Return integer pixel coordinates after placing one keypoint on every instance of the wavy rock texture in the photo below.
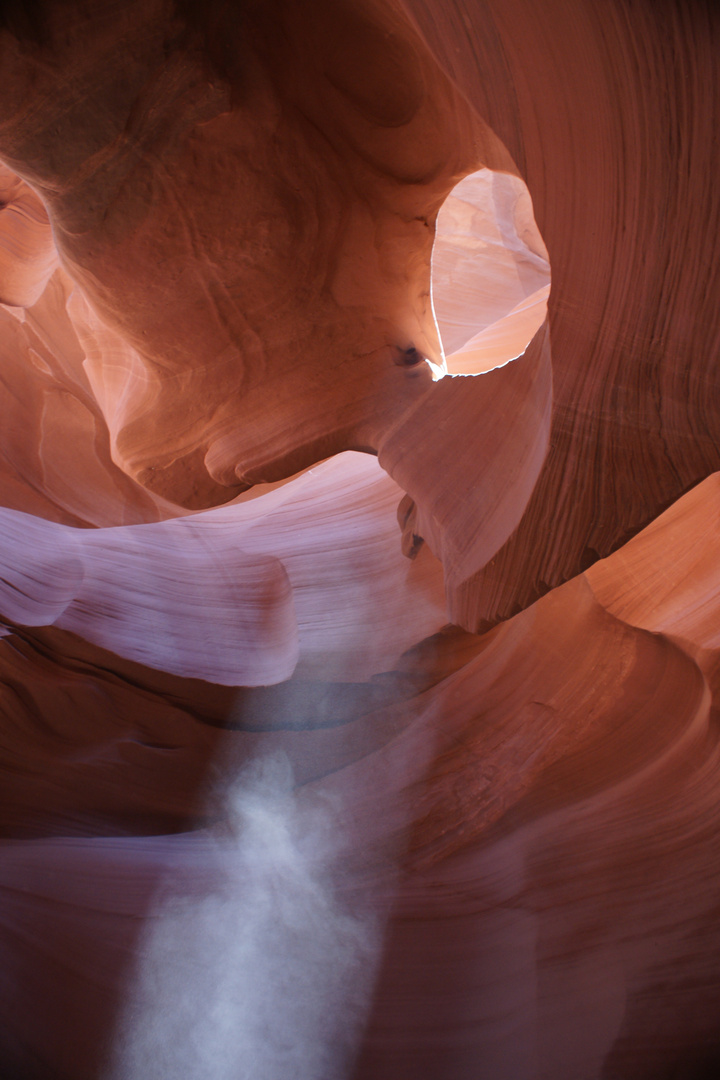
(402, 763)
(611, 124)
(28, 254)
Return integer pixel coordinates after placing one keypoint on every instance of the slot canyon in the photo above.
(359, 540)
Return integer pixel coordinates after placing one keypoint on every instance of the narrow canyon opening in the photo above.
(490, 272)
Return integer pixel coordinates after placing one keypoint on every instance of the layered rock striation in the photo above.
(359, 595)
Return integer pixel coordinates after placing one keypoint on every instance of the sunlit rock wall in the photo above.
(359, 586)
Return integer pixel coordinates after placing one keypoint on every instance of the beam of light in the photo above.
(252, 966)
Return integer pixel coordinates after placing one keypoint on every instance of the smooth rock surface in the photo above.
(359, 721)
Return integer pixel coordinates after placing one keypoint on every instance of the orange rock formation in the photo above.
(359, 590)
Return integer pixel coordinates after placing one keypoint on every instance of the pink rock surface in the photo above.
(28, 255)
(488, 259)
(402, 762)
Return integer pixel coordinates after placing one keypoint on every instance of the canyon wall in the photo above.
(360, 534)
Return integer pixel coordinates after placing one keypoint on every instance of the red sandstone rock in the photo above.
(608, 117)
(28, 255)
(573, 757)
(514, 832)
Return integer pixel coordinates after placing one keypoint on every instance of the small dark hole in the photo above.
(409, 357)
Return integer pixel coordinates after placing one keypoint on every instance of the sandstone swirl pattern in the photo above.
(359, 585)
